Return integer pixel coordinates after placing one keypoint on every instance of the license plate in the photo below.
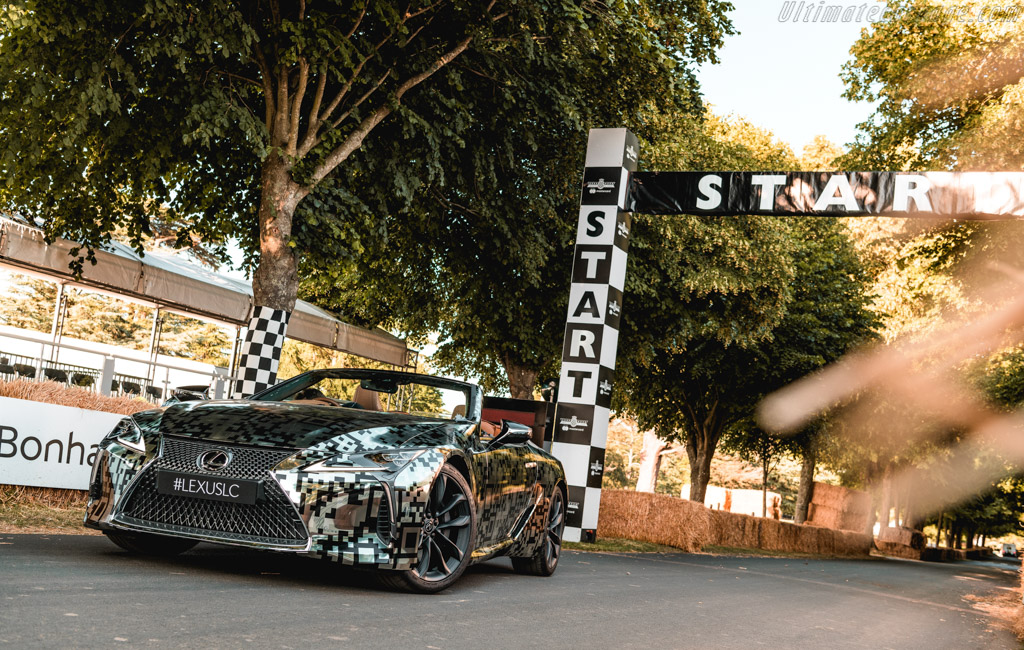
(204, 486)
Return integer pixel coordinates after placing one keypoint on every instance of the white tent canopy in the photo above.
(168, 281)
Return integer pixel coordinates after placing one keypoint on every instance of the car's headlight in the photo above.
(128, 434)
(388, 460)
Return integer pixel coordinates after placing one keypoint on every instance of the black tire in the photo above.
(545, 560)
(447, 540)
(148, 544)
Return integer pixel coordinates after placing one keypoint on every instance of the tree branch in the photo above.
(362, 99)
(268, 88)
(357, 23)
(296, 107)
(355, 139)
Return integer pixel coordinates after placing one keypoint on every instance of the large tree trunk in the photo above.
(276, 279)
(700, 450)
(521, 380)
(806, 491)
(275, 282)
(650, 462)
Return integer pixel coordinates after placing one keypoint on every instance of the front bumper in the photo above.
(346, 518)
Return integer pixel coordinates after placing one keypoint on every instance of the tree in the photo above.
(949, 89)
(707, 389)
(250, 120)
(757, 446)
(501, 221)
(820, 154)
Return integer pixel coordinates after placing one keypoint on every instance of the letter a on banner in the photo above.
(592, 325)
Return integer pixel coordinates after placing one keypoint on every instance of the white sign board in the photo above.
(46, 445)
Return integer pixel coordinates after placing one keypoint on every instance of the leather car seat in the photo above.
(367, 399)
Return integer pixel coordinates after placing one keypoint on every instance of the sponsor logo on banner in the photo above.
(46, 445)
(574, 424)
(574, 506)
(605, 384)
(601, 186)
(596, 469)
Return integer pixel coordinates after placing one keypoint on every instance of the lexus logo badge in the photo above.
(213, 460)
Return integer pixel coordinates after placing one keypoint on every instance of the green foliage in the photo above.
(698, 392)
(820, 154)
(482, 253)
(111, 114)
(949, 89)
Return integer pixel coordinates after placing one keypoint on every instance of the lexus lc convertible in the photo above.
(391, 471)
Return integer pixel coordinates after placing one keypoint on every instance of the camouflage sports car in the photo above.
(387, 470)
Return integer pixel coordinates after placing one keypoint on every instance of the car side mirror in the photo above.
(512, 433)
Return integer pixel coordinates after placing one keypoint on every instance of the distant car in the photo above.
(1008, 550)
(387, 470)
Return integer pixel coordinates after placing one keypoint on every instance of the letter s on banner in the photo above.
(710, 192)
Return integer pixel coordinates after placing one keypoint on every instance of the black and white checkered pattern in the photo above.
(592, 325)
(261, 351)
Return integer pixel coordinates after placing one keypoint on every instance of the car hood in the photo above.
(295, 426)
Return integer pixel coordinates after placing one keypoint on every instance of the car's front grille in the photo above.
(271, 520)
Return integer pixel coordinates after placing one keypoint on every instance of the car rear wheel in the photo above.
(148, 544)
(446, 539)
(545, 560)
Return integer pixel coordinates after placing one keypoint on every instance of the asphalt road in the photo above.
(82, 591)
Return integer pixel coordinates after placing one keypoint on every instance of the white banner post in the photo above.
(592, 326)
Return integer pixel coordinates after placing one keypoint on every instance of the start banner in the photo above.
(46, 445)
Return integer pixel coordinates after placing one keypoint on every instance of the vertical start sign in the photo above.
(592, 325)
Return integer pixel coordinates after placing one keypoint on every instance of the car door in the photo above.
(504, 477)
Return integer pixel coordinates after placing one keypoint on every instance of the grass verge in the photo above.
(42, 510)
(618, 545)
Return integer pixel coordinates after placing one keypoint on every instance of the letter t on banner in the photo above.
(592, 326)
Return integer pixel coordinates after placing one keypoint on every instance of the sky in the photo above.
(784, 75)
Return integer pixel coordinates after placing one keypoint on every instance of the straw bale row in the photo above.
(51, 392)
(662, 519)
(655, 518)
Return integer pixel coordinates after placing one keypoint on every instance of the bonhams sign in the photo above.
(931, 194)
(47, 445)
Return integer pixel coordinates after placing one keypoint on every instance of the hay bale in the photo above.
(51, 392)
(656, 518)
(662, 519)
(839, 508)
(903, 536)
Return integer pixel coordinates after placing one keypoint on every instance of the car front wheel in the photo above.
(446, 538)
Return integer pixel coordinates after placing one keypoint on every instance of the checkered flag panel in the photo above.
(592, 326)
(261, 351)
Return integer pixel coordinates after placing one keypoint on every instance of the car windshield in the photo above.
(381, 391)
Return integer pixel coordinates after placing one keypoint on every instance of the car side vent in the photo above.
(384, 519)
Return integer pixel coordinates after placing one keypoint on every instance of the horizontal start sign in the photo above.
(46, 445)
(931, 194)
